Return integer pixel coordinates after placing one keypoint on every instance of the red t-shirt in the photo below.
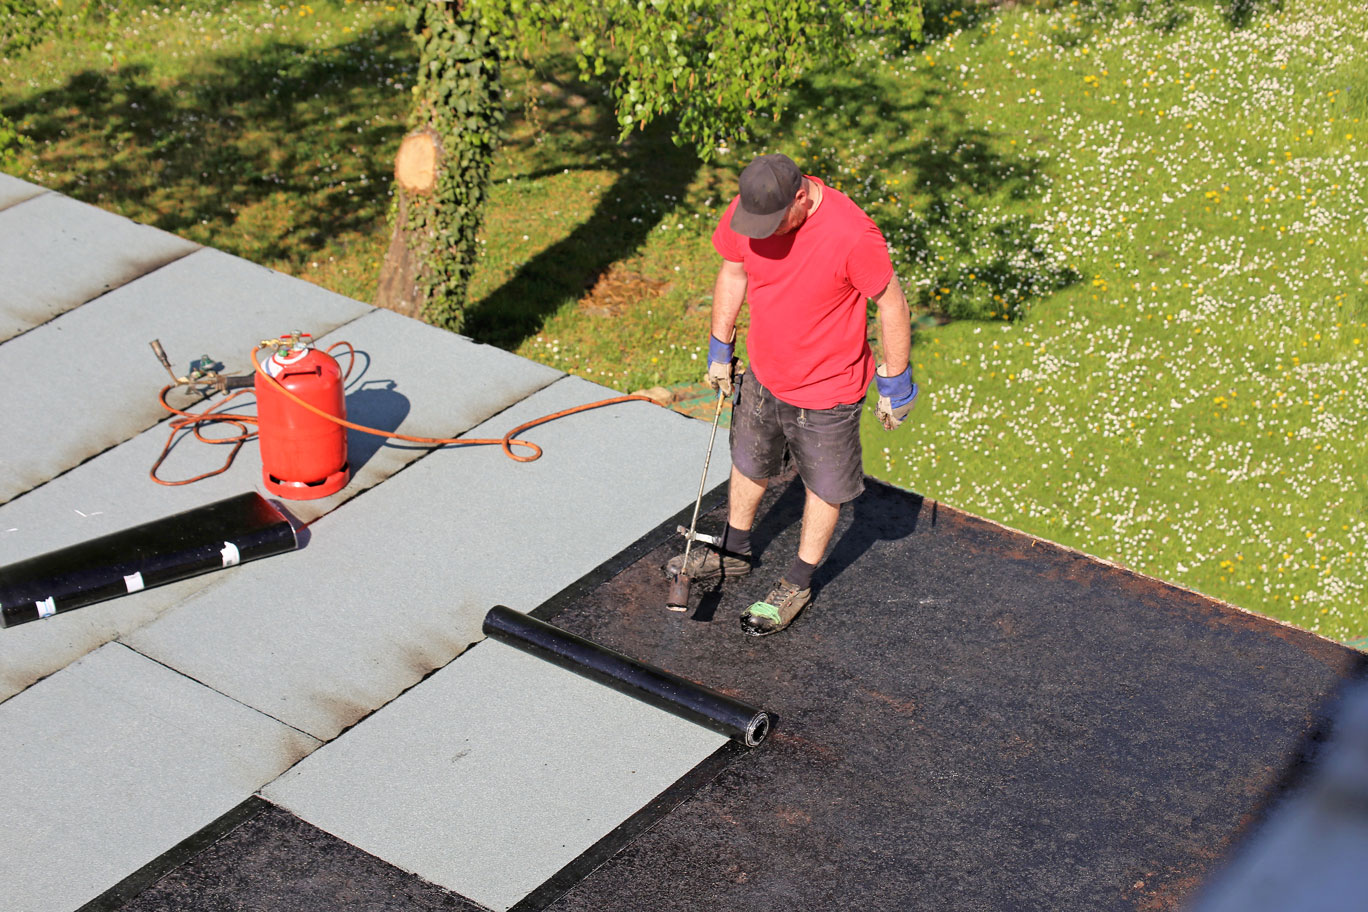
(807, 291)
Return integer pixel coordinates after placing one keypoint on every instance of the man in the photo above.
(806, 258)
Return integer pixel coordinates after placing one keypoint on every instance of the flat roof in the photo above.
(967, 717)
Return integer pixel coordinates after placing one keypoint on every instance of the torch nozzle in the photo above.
(678, 599)
(166, 362)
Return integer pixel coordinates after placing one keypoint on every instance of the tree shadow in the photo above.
(941, 17)
(945, 193)
(1241, 13)
(944, 17)
(283, 155)
(275, 155)
(653, 173)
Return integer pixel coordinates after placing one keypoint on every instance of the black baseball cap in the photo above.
(768, 186)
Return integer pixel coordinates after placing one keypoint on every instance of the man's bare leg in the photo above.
(794, 591)
(743, 499)
(819, 523)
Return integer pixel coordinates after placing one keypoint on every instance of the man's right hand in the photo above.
(721, 364)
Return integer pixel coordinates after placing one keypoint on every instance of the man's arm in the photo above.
(897, 392)
(895, 325)
(729, 293)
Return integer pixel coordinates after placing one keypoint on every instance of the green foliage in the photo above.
(22, 23)
(11, 141)
(716, 66)
(457, 96)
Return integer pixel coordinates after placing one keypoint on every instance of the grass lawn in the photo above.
(1190, 405)
(1150, 233)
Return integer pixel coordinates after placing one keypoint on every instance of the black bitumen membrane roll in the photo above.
(221, 534)
(662, 689)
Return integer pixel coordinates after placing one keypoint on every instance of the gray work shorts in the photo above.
(824, 443)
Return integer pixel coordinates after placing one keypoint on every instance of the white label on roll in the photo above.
(134, 582)
(231, 558)
(47, 607)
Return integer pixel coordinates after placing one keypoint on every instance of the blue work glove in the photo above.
(897, 395)
(721, 362)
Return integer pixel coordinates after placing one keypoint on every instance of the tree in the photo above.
(715, 66)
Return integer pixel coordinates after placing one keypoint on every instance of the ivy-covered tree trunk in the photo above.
(442, 172)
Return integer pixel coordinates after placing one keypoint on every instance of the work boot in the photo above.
(777, 611)
(706, 562)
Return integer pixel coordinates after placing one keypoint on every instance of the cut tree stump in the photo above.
(415, 175)
(415, 167)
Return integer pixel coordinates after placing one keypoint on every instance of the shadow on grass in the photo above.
(961, 229)
(949, 196)
(652, 173)
(1088, 17)
(276, 154)
(941, 17)
(282, 155)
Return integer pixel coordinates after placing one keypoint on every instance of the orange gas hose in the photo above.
(193, 420)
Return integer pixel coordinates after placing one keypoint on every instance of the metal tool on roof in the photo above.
(203, 371)
(662, 689)
(715, 540)
(212, 537)
(678, 599)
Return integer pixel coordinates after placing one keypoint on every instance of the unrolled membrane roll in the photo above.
(221, 534)
(719, 712)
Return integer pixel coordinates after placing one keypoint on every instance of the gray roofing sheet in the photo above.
(13, 190)
(405, 377)
(136, 721)
(113, 761)
(511, 768)
(56, 254)
(421, 382)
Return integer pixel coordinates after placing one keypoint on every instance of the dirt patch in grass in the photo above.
(616, 290)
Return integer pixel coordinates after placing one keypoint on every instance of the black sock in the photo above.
(800, 574)
(737, 541)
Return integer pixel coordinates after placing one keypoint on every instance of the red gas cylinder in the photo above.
(303, 455)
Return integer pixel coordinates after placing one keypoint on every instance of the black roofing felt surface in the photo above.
(264, 859)
(968, 719)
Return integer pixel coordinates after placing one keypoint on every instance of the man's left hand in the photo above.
(897, 396)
